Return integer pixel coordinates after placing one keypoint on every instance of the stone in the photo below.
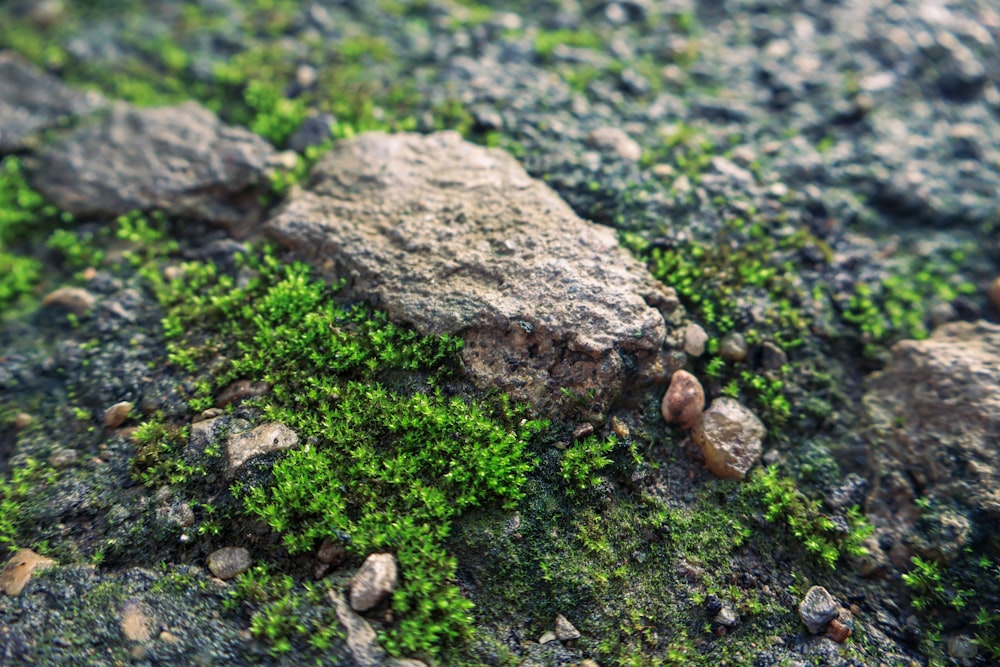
(817, 609)
(565, 631)
(733, 347)
(135, 624)
(315, 130)
(74, 299)
(993, 294)
(684, 400)
(32, 101)
(933, 414)
(547, 637)
(615, 141)
(694, 340)
(361, 638)
(116, 415)
(730, 437)
(229, 562)
(455, 238)
(181, 160)
(727, 617)
(17, 573)
(264, 439)
(22, 420)
(63, 458)
(240, 390)
(373, 582)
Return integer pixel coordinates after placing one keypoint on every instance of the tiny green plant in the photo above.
(584, 459)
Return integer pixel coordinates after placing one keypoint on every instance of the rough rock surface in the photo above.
(31, 101)
(229, 562)
(817, 609)
(458, 239)
(373, 582)
(264, 439)
(934, 415)
(182, 160)
(17, 573)
(730, 437)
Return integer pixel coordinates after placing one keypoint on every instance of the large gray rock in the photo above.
(182, 160)
(32, 100)
(934, 414)
(455, 238)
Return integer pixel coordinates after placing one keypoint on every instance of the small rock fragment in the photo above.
(62, 458)
(615, 140)
(730, 438)
(361, 638)
(135, 623)
(565, 631)
(619, 427)
(373, 582)
(75, 299)
(734, 348)
(116, 415)
(694, 340)
(22, 419)
(582, 431)
(684, 400)
(239, 390)
(17, 573)
(266, 438)
(726, 617)
(229, 562)
(994, 294)
(547, 637)
(817, 609)
(840, 628)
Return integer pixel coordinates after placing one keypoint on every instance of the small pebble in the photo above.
(619, 427)
(817, 609)
(17, 573)
(615, 140)
(135, 623)
(730, 437)
(565, 631)
(994, 294)
(22, 419)
(116, 415)
(62, 458)
(547, 637)
(684, 400)
(582, 431)
(373, 582)
(733, 348)
(694, 340)
(75, 299)
(229, 562)
(264, 439)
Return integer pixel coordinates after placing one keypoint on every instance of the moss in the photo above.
(22, 212)
(22, 482)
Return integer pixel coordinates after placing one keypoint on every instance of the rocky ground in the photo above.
(342, 332)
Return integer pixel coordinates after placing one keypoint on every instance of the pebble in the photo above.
(375, 580)
(694, 340)
(734, 348)
(239, 390)
(730, 437)
(684, 400)
(22, 420)
(266, 438)
(361, 638)
(727, 617)
(229, 562)
(75, 299)
(135, 623)
(17, 573)
(565, 631)
(994, 294)
(619, 427)
(547, 637)
(582, 431)
(817, 609)
(615, 140)
(63, 458)
(116, 415)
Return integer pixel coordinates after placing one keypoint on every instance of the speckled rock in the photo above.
(457, 239)
(182, 160)
(565, 631)
(817, 609)
(229, 562)
(18, 570)
(373, 582)
(264, 439)
(32, 100)
(730, 437)
(361, 638)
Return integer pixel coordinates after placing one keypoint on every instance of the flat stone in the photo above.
(565, 631)
(730, 437)
(455, 238)
(74, 299)
(17, 573)
(135, 624)
(116, 415)
(817, 609)
(264, 439)
(375, 580)
(361, 638)
(32, 100)
(229, 562)
(181, 160)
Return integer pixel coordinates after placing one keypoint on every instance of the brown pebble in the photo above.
(994, 294)
(135, 623)
(17, 573)
(116, 415)
(22, 419)
(684, 400)
(331, 553)
(837, 631)
(619, 427)
(582, 431)
(229, 562)
(74, 299)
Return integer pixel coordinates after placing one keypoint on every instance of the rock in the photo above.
(616, 141)
(694, 340)
(32, 100)
(730, 438)
(314, 131)
(361, 638)
(993, 293)
(265, 439)
(817, 609)
(726, 617)
(17, 573)
(565, 631)
(240, 390)
(840, 628)
(181, 160)
(619, 427)
(455, 238)
(547, 637)
(684, 400)
(74, 299)
(733, 348)
(933, 414)
(116, 415)
(229, 562)
(373, 582)
(63, 458)
(582, 431)
(22, 420)
(135, 623)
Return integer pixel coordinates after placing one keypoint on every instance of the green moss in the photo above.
(23, 480)
(22, 211)
(546, 41)
(583, 460)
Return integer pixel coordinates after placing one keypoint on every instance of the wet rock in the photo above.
(264, 439)
(74, 299)
(229, 562)
(454, 238)
(934, 413)
(694, 340)
(733, 348)
(684, 400)
(547, 637)
(181, 160)
(17, 573)
(32, 100)
(582, 431)
(361, 638)
(116, 415)
(375, 580)
(817, 609)
(565, 631)
(730, 437)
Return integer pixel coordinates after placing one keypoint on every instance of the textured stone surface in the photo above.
(181, 159)
(373, 582)
(17, 573)
(229, 562)
(817, 609)
(455, 238)
(264, 439)
(31, 101)
(730, 437)
(684, 400)
(934, 414)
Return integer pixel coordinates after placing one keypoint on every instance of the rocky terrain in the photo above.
(451, 333)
